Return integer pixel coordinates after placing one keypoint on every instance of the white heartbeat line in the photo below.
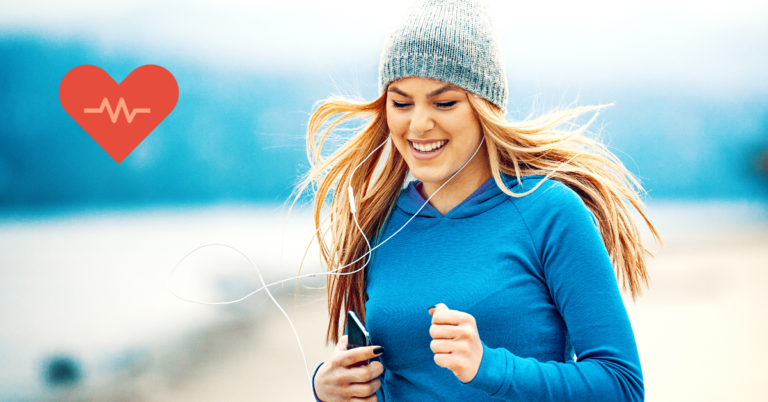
(113, 115)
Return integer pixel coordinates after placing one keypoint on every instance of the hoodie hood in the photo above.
(485, 197)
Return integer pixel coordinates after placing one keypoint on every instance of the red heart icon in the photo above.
(118, 116)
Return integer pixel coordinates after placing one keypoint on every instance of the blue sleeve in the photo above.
(314, 391)
(582, 284)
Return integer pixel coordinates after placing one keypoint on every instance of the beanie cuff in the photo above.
(481, 83)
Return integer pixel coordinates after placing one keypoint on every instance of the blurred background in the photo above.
(86, 244)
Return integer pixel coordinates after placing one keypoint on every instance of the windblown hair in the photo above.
(530, 147)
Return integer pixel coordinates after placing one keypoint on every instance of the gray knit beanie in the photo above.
(449, 40)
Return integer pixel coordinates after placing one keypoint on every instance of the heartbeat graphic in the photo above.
(114, 115)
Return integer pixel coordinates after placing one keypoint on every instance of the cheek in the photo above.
(467, 130)
(396, 124)
(397, 128)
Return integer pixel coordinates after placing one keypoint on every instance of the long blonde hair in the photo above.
(530, 147)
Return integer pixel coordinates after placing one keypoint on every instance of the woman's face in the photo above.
(433, 126)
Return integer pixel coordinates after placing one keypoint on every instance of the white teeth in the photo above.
(428, 147)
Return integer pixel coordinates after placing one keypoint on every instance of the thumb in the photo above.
(437, 306)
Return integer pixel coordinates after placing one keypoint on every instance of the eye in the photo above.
(442, 105)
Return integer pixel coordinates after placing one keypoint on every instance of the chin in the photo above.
(427, 177)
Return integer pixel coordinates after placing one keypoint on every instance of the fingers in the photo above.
(352, 356)
(363, 373)
(371, 398)
(442, 346)
(347, 377)
(447, 331)
(365, 389)
(451, 317)
(445, 360)
(376, 369)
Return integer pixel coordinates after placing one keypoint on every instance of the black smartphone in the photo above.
(357, 335)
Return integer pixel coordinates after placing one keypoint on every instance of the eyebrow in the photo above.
(429, 95)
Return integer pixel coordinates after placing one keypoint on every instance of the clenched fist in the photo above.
(455, 342)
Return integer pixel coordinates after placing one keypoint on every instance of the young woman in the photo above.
(492, 276)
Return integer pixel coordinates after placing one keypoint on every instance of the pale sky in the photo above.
(721, 45)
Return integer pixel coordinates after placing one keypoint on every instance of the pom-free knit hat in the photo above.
(453, 41)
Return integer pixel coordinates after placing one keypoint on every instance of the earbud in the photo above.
(351, 200)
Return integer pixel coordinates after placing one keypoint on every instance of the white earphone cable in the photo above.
(331, 272)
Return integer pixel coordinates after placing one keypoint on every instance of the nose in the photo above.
(421, 120)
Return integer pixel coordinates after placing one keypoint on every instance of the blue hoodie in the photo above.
(534, 273)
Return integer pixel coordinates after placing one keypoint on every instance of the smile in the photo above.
(428, 148)
(427, 151)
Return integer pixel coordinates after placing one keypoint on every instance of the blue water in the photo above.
(239, 136)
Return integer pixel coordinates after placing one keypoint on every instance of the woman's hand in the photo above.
(455, 342)
(338, 380)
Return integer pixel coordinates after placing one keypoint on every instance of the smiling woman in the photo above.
(435, 129)
(504, 270)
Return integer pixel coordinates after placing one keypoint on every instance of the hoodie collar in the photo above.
(485, 197)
